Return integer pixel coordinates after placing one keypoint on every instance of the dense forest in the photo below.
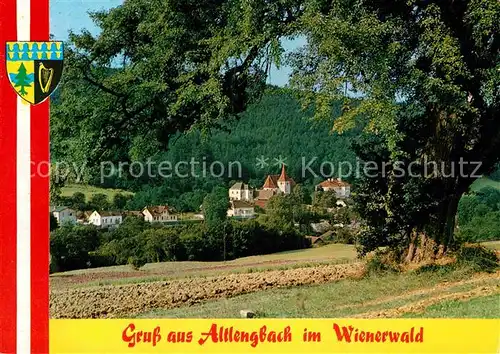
(276, 128)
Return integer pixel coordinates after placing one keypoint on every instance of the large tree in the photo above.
(160, 66)
(428, 74)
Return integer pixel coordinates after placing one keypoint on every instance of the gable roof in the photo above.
(240, 186)
(58, 209)
(239, 204)
(108, 213)
(158, 210)
(283, 177)
(265, 194)
(271, 181)
(334, 183)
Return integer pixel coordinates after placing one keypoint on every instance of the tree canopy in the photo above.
(425, 76)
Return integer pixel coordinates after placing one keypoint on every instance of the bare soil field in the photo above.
(127, 300)
(118, 275)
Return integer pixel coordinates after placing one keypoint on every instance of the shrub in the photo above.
(478, 258)
(381, 262)
(136, 262)
(344, 235)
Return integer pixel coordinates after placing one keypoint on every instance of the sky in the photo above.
(66, 15)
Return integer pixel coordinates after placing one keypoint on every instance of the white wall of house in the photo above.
(285, 187)
(341, 192)
(164, 217)
(65, 216)
(235, 194)
(241, 194)
(147, 215)
(242, 212)
(105, 221)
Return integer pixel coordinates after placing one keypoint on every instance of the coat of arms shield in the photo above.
(34, 68)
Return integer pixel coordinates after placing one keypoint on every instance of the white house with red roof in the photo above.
(159, 213)
(341, 188)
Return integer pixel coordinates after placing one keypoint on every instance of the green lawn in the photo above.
(494, 245)
(480, 307)
(484, 182)
(68, 190)
(345, 298)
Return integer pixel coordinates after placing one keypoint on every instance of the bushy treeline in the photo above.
(137, 242)
(479, 215)
(98, 201)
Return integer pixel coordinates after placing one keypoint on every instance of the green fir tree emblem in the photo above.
(22, 80)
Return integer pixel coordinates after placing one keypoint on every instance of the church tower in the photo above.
(284, 182)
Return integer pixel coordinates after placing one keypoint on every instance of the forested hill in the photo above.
(274, 129)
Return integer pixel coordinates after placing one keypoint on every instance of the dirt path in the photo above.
(421, 305)
(428, 291)
(126, 300)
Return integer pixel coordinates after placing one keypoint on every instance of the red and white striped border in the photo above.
(24, 203)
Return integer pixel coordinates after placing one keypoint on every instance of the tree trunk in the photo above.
(424, 246)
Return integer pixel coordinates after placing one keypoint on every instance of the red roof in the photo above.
(158, 210)
(283, 176)
(334, 183)
(261, 203)
(271, 181)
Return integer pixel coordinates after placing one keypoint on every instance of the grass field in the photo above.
(457, 293)
(332, 253)
(89, 191)
(484, 182)
(494, 245)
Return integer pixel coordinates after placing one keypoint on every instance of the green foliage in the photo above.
(99, 201)
(78, 201)
(137, 242)
(208, 60)
(495, 176)
(53, 222)
(326, 199)
(120, 201)
(344, 235)
(479, 258)
(428, 77)
(215, 206)
(136, 262)
(479, 216)
(425, 75)
(379, 264)
(70, 246)
(259, 131)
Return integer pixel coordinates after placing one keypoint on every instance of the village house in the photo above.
(160, 213)
(273, 185)
(64, 215)
(342, 189)
(242, 209)
(241, 191)
(105, 219)
(82, 217)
